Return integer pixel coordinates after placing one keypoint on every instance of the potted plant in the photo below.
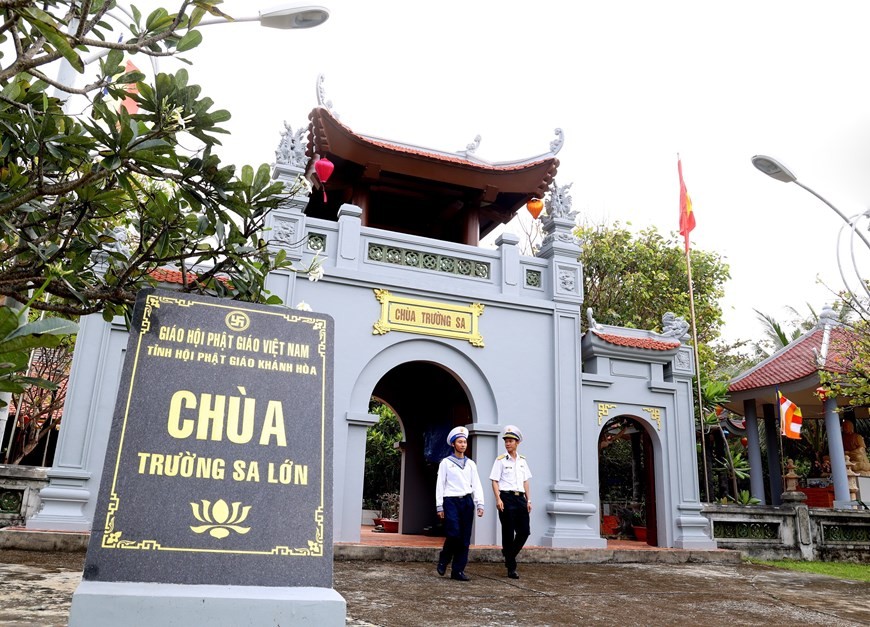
(389, 519)
(638, 523)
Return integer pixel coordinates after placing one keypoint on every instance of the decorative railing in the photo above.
(498, 271)
(448, 264)
(19, 492)
(744, 530)
(797, 532)
(845, 533)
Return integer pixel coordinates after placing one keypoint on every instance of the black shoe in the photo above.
(441, 568)
(460, 576)
(513, 574)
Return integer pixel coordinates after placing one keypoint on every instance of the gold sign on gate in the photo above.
(424, 317)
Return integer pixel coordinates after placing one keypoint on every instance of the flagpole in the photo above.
(698, 373)
(687, 223)
(779, 432)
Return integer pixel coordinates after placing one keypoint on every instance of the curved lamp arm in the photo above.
(775, 170)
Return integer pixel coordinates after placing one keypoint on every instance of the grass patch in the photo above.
(840, 570)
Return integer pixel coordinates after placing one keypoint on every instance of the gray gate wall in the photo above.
(527, 373)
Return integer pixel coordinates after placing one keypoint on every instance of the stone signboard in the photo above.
(219, 465)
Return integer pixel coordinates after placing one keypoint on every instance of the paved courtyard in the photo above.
(37, 589)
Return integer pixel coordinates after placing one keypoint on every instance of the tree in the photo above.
(17, 340)
(850, 377)
(633, 279)
(91, 204)
(38, 409)
(383, 460)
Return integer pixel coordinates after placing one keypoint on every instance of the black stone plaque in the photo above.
(219, 464)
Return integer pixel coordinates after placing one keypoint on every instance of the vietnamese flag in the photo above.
(687, 216)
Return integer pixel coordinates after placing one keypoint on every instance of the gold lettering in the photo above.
(274, 424)
(176, 427)
(243, 435)
(207, 413)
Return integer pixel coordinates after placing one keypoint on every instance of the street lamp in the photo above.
(282, 17)
(285, 16)
(775, 170)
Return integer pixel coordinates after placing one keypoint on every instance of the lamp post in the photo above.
(282, 17)
(775, 170)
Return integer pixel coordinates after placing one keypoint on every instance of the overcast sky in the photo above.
(631, 83)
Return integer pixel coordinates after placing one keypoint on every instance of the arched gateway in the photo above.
(448, 333)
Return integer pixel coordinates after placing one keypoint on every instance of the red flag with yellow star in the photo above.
(687, 216)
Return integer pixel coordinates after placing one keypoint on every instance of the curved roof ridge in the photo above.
(463, 157)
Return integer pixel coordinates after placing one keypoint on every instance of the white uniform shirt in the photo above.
(510, 473)
(456, 481)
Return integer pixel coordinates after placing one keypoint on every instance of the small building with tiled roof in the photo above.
(793, 371)
(448, 333)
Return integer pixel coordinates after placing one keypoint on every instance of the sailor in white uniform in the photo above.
(510, 483)
(457, 492)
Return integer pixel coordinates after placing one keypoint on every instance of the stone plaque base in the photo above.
(133, 604)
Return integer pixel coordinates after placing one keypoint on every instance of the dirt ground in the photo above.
(37, 589)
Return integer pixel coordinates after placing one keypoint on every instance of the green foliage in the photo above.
(91, 204)
(851, 377)
(633, 279)
(383, 459)
(16, 342)
(840, 570)
(737, 463)
(615, 478)
(744, 498)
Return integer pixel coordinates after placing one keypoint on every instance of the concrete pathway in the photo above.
(38, 586)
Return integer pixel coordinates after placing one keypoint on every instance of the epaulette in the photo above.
(502, 456)
(522, 456)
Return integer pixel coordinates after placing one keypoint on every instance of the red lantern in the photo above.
(535, 207)
(822, 393)
(324, 168)
(744, 441)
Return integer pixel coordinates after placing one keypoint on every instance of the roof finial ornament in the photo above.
(593, 324)
(559, 201)
(556, 144)
(828, 316)
(322, 100)
(473, 146)
(675, 326)
(291, 148)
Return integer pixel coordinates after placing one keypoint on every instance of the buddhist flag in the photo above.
(687, 216)
(790, 418)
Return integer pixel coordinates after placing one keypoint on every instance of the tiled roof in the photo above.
(637, 342)
(165, 275)
(795, 361)
(456, 158)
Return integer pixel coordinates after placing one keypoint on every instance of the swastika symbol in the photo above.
(238, 321)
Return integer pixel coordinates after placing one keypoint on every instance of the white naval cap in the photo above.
(458, 432)
(512, 431)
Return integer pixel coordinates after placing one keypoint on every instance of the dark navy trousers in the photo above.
(458, 520)
(515, 528)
